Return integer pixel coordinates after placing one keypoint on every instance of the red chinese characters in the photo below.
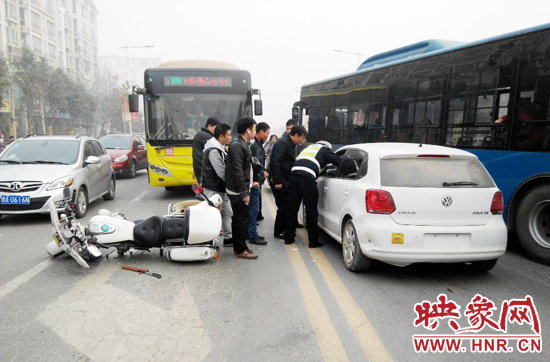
(480, 312)
(427, 312)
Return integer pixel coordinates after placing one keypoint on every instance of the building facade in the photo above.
(62, 31)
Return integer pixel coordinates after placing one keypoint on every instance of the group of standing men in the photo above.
(237, 176)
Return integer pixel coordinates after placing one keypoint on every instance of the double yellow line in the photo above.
(329, 341)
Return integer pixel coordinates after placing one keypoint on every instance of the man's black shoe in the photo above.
(298, 225)
(288, 242)
(228, 242)
(260, 218)
(315, 245)
(279, 236)
(258, 240)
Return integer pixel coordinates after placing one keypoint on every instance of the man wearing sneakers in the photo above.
(213, 175)
(303, 186)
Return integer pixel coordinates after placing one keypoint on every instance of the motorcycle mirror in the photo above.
(197, 189)
(66, 193)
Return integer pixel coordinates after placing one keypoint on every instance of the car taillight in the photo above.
(379, 202)
(497, 206)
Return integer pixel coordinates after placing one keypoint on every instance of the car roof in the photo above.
(119, 135)
(389, 149)
(54, 138)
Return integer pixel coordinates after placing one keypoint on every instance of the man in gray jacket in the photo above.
(213, 175)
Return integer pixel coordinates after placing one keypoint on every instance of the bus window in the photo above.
(532, 117)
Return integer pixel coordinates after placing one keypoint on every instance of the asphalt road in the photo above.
(292, 304)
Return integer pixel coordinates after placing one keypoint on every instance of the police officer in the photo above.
(303, 186)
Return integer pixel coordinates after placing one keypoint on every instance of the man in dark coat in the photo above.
(199, 141)
(282, 160)
(303, 186)
(238, 182)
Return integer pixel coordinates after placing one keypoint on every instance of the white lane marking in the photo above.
(106, 323)
(23, 278)
(138, 197)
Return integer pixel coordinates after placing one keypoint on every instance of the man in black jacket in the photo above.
(213, 175)
(282, 160)
(303, 185)
(258, 165)
(199, 141)
(238, 182)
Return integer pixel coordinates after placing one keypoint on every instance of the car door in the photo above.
(92, 171)
(323, 183)
(340, 188)
(141, 154)
(104, 166)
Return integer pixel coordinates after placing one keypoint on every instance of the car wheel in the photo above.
(533, 224)
(112, 190)
(132, 170)
(484, 265)
(81, 203)
(354, 259)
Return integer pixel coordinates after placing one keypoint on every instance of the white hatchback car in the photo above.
(401, 204)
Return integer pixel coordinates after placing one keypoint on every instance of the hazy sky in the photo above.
(285, 44)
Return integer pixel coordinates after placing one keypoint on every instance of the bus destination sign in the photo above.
(197, 81)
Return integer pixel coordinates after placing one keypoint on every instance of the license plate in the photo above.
(15, 200)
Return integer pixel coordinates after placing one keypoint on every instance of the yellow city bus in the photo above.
(178, 98)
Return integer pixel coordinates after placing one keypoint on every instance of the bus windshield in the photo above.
(178, 117)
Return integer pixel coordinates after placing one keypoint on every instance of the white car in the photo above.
(401, 204)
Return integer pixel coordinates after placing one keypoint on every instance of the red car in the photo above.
(128, 153)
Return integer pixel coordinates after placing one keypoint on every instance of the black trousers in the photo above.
(260, 207)
(282, 201)
(239, 223)
(303, 188)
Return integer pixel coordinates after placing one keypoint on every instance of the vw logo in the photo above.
(16, 186)
(447, 201)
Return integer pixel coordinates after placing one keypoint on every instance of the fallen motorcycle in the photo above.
(189, 232)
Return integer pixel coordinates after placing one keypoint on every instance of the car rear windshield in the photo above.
(42, 152)
(120, 143)
(434, 172)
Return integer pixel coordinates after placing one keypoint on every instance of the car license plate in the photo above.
(15, 200)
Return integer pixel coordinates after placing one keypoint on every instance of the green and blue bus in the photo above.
(490, 97)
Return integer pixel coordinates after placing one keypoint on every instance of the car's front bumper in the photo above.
(430, 244)
(39, 202)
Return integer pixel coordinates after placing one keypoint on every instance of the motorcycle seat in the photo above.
(148, 233)
(175, 228)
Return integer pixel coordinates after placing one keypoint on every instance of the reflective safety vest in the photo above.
(311, 161)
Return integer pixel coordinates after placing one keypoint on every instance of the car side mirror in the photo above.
(92, 160)
(140, 148)
(331, 171)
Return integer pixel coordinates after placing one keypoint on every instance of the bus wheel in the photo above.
(170, 188)
(533, 224)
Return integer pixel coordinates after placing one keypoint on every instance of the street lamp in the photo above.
(359, 55)
(127, 70)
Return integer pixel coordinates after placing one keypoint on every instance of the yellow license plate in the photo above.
(397, 238)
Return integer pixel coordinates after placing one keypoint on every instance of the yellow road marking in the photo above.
(329, 341)
(366, 335)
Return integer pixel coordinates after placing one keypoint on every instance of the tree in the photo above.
(3, 78)
(32, 75)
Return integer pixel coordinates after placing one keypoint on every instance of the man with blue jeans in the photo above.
(258, 167)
